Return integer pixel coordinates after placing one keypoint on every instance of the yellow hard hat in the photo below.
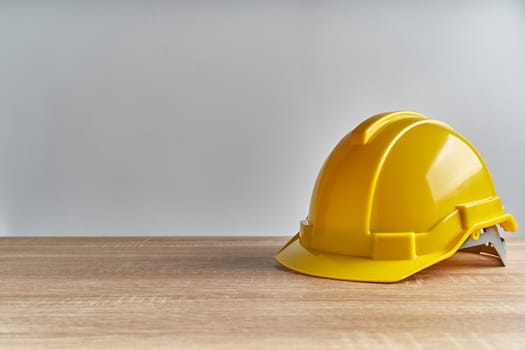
(399, 193)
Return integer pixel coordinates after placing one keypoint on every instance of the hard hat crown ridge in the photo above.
(399, 193)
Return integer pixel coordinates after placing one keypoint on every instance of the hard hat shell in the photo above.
(399, 193)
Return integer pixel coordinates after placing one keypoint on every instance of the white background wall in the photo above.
(214, 117)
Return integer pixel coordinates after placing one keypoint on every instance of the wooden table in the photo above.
(226, 292)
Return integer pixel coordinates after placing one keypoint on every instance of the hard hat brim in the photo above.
(345, 267)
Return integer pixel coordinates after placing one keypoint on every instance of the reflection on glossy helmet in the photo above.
(399, 193)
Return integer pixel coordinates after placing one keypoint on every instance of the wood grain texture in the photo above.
(226, 292)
